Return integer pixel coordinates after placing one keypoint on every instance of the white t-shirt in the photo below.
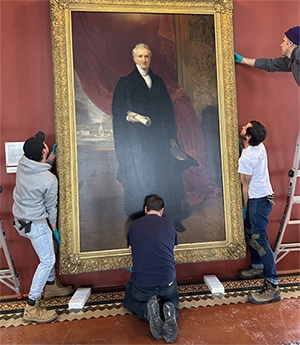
(254, 161)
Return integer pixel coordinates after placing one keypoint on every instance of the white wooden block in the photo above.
(79, 298)
(213, 283)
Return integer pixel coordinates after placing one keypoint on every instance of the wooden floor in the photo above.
(271, 324)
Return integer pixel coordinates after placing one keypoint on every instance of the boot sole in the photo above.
(49, 297)
(156, 326)
(39, 321)
(170, 331)
(254, 301)
(250, 277)
(170, 327)
(57, 295)
(155, 322)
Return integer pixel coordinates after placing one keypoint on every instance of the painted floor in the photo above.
(203, 318)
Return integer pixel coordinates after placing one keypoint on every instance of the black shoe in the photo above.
(170, 327)
(178, 226)
(155, 322)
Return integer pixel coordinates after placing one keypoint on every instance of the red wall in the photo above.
(27, 106)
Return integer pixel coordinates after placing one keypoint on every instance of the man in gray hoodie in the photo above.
(35, 217)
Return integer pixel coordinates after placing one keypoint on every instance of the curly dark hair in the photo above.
(258, 133)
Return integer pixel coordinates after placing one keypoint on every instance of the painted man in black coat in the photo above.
(143, 149)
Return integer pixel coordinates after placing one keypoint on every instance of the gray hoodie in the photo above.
(35, 193)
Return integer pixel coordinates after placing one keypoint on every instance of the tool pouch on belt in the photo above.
(271, 199)
(25, 224)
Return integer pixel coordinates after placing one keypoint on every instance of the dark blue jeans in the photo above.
(256, 224)
(136, 298)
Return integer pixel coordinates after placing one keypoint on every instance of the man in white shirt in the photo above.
(257, 199)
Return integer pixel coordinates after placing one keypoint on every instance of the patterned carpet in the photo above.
(109, 303)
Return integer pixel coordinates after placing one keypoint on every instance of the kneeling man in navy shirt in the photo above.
(152, 239)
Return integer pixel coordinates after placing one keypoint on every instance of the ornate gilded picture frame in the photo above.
(192, 53)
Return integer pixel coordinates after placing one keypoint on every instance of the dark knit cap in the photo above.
(293, 34)
(34, 146)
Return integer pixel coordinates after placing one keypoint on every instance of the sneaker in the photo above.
(57, 290)
(38, 313)
(155, 322)
(170, 327)
(251, 273)
(268, 294)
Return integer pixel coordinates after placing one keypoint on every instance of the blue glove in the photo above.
(54, 149)
(238, 58)
(56, 235)
(240, 145)
(244, 213)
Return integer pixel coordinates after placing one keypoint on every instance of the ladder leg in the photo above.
(9, 277)
(285, 218)
(280, 249)
(283, 225)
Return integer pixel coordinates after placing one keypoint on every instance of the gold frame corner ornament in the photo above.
(72, 260)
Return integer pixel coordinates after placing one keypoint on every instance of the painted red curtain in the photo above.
(102, 44)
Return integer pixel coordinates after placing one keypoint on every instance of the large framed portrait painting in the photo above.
(182, 144)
